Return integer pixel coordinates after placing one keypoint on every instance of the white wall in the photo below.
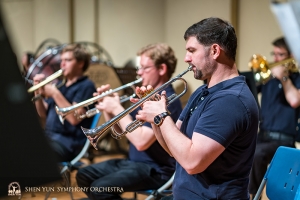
(121, 27)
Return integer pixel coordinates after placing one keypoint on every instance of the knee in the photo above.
(81, 179)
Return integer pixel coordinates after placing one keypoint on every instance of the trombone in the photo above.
(94, 134)
(63, 112)
(44, 82)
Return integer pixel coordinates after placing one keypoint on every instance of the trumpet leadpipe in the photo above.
(94, 111)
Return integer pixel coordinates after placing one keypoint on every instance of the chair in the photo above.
(68, 167)
(282, 177)
(163, 191)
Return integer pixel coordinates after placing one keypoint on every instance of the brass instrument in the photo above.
(94, 134)
(262, 70)
(63, 112)
(46, 81)
(49, 79)
(91, 112)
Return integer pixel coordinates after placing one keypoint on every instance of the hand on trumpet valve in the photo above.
(156, 105)
(110, 103)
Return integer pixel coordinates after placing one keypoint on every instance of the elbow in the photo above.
(192, 171)
(193, 168)
(141, 147)
(294, 104)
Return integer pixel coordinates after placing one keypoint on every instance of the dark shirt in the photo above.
(228, 114)
(155, 155)
(66, 134)
(276, 113)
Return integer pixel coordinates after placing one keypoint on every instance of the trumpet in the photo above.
(95, 134)
(262, 70)
(46, 81)
(91, 112)
(63, 112)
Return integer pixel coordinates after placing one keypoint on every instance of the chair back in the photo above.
(283, 174)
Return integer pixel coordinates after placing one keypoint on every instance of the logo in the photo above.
(14, 189)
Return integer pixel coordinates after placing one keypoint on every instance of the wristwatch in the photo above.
(158, 119)
(284, 78)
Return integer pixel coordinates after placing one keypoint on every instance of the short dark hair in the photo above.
(280, 42)
(214, 30)
(160, 53)
(80, 54)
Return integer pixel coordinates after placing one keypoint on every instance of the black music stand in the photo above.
(26, 157)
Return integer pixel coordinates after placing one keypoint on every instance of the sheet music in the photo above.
(288, 17)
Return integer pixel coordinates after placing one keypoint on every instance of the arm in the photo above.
(160, 137)
(292, 94)
(194, 154)
(142, 138)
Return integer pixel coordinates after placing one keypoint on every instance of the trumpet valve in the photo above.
(89, 113)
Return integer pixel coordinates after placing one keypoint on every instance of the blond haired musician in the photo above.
(280, 100)
(66, 139)
(148, 165)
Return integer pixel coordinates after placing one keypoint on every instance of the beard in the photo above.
(198, 74)
(208, 68)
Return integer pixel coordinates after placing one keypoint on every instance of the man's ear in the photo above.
(80, 64)
(162, 69)
(215, 50)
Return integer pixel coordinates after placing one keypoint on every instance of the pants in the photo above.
(264, 152)
(61, 152)
(115, 176)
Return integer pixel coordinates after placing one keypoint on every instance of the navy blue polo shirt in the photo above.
(66, 134)
(228, 114)
(155, 155)
(276, 113)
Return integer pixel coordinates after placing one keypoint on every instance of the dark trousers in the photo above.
(61, 152)
(264, 152)
(115, 176)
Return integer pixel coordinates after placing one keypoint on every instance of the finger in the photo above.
(149, 88)
(164, 95)
(133, 100)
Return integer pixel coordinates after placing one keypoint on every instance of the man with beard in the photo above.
(214, 139)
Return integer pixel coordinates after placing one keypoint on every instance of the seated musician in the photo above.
(66, 138)
(214, 139)
(280, 101)
(148, 165)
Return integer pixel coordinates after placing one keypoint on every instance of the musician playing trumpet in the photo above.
(66, 139)
(279, 123)
(214, 139)
(148, 165)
